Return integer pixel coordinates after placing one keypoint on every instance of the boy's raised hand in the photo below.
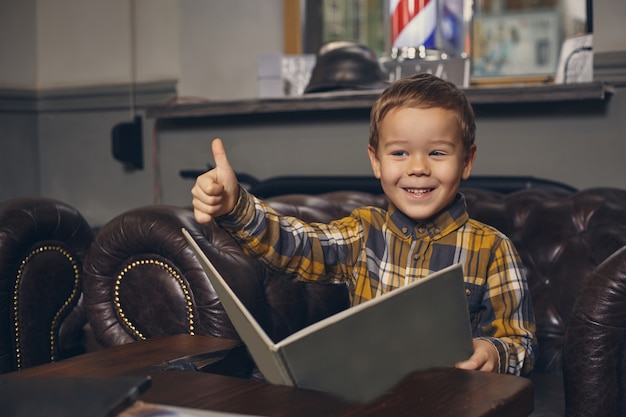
(216, 191)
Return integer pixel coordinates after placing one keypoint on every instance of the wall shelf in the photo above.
(351, 100)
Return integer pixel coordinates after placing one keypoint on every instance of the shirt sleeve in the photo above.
(509, 322)
(310, 251)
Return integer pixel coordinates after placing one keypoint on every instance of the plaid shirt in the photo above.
(376, 251)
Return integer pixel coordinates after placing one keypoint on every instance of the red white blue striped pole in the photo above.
(413, 23)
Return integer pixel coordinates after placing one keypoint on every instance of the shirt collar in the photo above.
(445, 222)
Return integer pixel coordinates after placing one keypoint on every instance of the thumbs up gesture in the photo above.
(216, 191)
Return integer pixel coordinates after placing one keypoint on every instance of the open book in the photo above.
(360, 353)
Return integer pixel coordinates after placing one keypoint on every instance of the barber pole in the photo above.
(452, 36)
(413, 23)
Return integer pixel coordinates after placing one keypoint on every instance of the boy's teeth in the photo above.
(418, 191)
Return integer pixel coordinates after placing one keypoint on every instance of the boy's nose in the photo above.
(418, 166)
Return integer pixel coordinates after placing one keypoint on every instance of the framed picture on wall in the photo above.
(514, 46)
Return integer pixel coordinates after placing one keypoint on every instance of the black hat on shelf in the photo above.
(346, 65)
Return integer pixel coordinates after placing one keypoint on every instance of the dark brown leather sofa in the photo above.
(142, 280)
(42, 245)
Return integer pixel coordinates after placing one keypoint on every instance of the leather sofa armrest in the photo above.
(42, 245)
(142, 279)
(594, 365)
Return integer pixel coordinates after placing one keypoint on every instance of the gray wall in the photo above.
(19, 155)
(573, 144)
(55, 138)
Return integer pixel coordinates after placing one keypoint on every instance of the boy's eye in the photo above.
(398, 153)
(437, 153)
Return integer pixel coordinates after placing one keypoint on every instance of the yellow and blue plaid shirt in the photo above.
(376, 251)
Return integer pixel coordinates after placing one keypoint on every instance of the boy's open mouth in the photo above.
(418, 191)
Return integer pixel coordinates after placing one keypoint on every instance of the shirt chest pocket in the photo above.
(475, 295)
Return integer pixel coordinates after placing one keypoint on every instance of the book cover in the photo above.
(360, 353)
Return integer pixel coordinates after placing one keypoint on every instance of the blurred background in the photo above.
(72, 70)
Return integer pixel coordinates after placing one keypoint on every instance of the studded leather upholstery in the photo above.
(42, 245)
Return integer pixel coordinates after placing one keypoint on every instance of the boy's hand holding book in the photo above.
(485, 357)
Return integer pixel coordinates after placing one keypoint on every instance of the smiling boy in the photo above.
(421, 146)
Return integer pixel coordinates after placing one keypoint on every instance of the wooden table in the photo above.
(437, 392)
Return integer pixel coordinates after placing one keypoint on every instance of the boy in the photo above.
(421, 146)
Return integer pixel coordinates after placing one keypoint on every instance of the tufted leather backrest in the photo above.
(562, 238)
(143, 280)
(42, 245)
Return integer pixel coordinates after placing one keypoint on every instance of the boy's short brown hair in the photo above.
(424, 91)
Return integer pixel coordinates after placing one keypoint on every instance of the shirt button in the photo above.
(468, 292)
(405, 230)
(421, 230)
(437, 230)
(416, 257)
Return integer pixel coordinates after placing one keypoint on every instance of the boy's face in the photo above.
(421, 160)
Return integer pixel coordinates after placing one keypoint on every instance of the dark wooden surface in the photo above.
(437, 392)
(119, 360)
(355, 100)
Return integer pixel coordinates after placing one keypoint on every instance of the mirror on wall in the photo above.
(504, 39)
(522, 39)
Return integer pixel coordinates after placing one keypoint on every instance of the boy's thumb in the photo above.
(219, 155)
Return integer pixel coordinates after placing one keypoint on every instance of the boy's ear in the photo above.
(468, 162)
(371, 152)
